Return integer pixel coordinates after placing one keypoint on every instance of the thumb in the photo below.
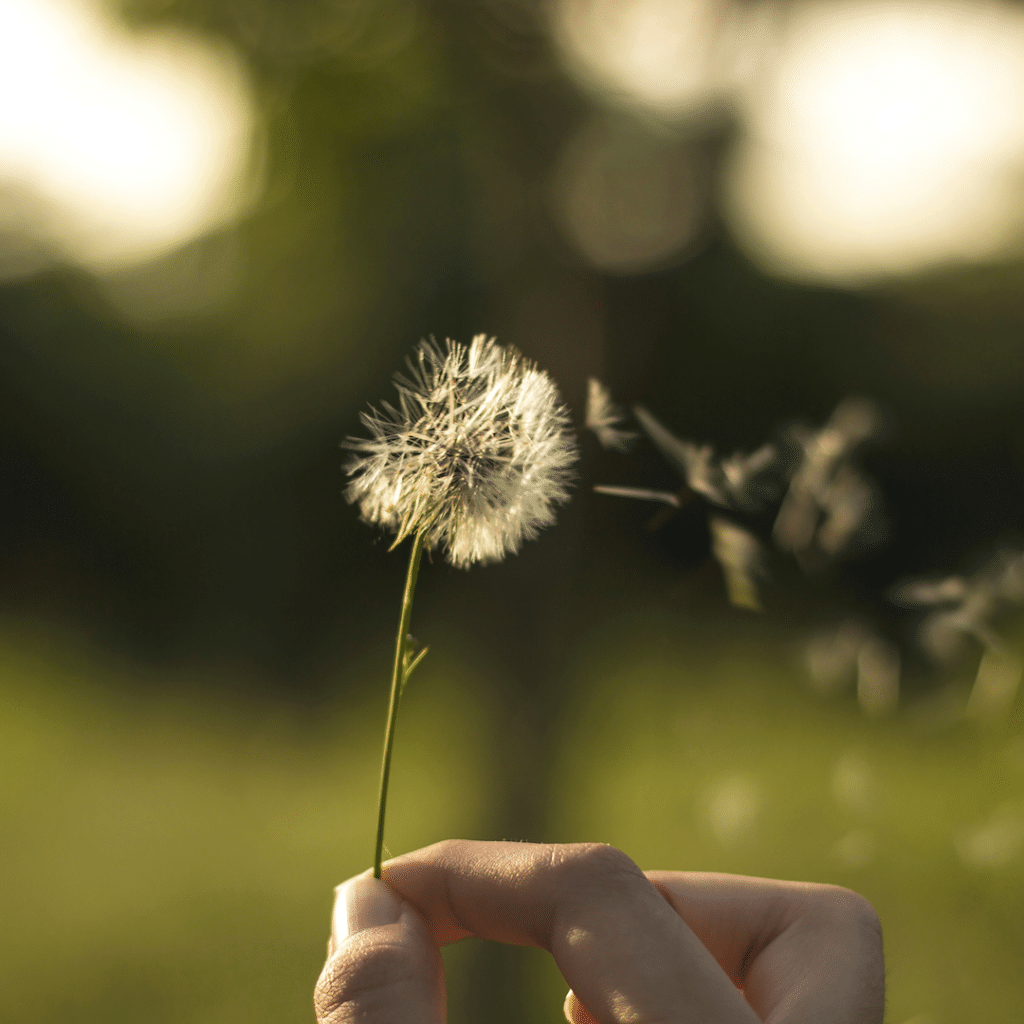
(382, 966)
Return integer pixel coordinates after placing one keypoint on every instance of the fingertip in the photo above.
(382, 962)
(360, 903)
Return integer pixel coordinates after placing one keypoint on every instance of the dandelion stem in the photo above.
(403, 666)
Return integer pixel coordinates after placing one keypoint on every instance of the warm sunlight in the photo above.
(887, 137)
(114, 146)
(671, 58)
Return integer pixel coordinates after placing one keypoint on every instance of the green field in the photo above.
(171, 858)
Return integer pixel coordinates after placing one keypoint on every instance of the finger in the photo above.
(624, 951)
(798, 950)
(383, 966)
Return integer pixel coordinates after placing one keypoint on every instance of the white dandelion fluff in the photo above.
(971, 607)
(741, 557)
(739, 482)
(605, 419)
(830, 506)
(477, 454)
(965, 606)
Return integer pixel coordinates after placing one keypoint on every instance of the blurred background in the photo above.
(224, 224)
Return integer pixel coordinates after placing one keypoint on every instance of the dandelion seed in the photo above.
(855, 651)
(641, 494)
(742, 560)
(605, 419)
(830, 505)
(965, 608)
(739, 482)
(747, 477)
(477, 454)
(925, 592)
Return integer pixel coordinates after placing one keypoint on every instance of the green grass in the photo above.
(171, 858)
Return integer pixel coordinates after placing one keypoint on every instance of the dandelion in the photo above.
(476, 455)
(473, 460)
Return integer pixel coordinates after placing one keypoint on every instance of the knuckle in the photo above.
(861, 922)
(866, 917)
(595, 882)
(359, 980)
(845, 921)
(451, 851)
(595, 865)
(851, 910)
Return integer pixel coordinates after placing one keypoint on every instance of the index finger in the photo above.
(623, 950)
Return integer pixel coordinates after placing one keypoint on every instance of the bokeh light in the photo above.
(114, 146)
(884, 138)
(629, 196)
(670, 58)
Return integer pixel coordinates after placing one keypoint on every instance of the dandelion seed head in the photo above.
(478, 452)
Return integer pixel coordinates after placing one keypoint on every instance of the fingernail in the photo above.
(362, 902)
(575, 1012)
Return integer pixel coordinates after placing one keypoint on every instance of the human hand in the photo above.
(672, 947)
